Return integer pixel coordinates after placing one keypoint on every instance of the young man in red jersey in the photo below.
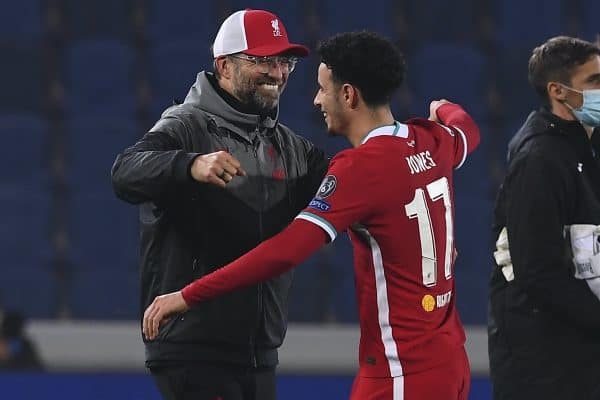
(393, 193)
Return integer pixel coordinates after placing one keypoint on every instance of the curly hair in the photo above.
(367, 61)
(555, 60)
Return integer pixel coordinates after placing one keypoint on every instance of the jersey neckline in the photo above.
(397, 129)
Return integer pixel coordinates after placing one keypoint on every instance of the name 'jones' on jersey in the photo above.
(420, 162)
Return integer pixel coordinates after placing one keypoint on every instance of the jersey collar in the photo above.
(397, 129)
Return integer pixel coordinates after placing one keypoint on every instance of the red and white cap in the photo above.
(256, 33)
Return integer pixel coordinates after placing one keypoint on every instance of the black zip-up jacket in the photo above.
(544, 326)
(189, 229)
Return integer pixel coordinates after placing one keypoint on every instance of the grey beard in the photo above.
(257, 102)
(263, 104)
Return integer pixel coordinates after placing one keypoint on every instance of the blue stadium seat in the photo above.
(437, 20)
(105, 294)
(474, 177)
(31, 291)
(354, 15)
(99, 18)
(173, 69)
(343, 293)
(517, 95)
(28, 283)
(192, 20)
(26, 159)
(22, 77)
(434, 71)
(526, 24)
(92, 144)
(99, 77)
(22, 20)
(103, 232)
(591, 10)
(473, 221)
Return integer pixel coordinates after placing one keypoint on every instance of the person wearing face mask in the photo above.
(214, 177)
(544, 321)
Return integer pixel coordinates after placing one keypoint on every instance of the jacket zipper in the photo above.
(259, 307)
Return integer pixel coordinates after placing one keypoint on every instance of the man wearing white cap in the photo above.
(215, 176)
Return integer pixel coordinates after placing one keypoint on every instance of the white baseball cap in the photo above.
(256, 33)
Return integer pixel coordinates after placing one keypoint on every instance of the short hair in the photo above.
(555, 60)
(366, 60)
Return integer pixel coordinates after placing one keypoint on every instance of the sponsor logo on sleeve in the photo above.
(319, 204)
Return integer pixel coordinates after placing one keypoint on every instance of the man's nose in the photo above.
(276, 70)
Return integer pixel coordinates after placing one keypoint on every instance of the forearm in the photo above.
(270, 259)
(140, 176)
(454, 115)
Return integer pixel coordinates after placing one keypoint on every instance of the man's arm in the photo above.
(464, 127)
(535, 212)
(271, 258)
(150, 169)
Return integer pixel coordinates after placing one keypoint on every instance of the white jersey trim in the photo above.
(398, 388)
(464, 139)
(383, 308)
(398, 129)
(320, 222)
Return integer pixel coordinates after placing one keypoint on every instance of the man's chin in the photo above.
(267, 104)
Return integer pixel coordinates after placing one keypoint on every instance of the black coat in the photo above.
(544, 327)
(189, 229)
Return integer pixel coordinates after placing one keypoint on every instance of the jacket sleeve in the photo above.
(536, 209)
(149, 169)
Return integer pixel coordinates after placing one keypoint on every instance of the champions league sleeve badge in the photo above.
(325, 190)
(327, 187)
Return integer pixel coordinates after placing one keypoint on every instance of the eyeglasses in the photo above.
(265, 64)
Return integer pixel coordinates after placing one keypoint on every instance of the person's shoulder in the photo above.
(178, 116)
(422, 123)
(293, 140)
(544, 155)
(550, 149)
(288, 133)
(360, 158)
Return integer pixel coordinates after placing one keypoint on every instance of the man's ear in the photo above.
(556, 91)
(350, 95)
(225, 67)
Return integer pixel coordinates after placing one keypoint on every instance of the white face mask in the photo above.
(589, 112)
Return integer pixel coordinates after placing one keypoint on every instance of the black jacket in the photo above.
(544, 326)
(189, 229)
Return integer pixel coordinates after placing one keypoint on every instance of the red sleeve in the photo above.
(271, 258)
(455, 117)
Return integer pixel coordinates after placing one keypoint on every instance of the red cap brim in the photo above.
(272, 50)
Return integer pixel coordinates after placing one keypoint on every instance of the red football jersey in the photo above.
(394, 195)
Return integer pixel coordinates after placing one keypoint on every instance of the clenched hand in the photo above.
(217, 168)
(433, 106)
(158, 312)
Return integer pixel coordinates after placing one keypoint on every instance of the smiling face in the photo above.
(328, 101)
(255, 89)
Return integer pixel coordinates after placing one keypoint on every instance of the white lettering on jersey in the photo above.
(420, 162)
(443, 299)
